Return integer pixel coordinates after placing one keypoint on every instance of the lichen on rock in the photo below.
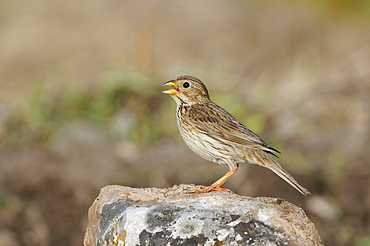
(170, 216)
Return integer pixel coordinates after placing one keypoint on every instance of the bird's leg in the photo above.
(218, 184)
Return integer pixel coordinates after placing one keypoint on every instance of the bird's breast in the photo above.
(202, 144)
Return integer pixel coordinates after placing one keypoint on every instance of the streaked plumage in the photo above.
(215, 135)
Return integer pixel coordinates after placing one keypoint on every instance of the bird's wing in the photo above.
(218, 123)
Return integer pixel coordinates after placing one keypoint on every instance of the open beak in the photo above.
(171, 91)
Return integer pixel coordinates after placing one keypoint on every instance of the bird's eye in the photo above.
(186, 85)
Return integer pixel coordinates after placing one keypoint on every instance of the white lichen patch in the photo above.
(238, 237)
(187, 228)
(264, 215)
(234, 223)
(222, 234)
(135, 224)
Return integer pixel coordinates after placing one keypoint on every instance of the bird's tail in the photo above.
(271, 164)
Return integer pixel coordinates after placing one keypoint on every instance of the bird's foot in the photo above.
(209, 189)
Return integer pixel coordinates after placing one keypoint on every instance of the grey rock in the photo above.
(169, 216)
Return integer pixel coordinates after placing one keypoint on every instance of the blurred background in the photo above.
(81, 105)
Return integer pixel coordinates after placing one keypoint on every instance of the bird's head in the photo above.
(187, 89)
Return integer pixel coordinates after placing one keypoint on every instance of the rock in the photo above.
(169, 216)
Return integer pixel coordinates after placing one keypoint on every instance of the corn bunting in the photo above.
(214, 134)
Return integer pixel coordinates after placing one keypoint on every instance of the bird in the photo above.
(217, 136)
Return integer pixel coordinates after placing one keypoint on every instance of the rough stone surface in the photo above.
(169, 216)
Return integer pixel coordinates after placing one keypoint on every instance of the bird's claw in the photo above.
(209, 189)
